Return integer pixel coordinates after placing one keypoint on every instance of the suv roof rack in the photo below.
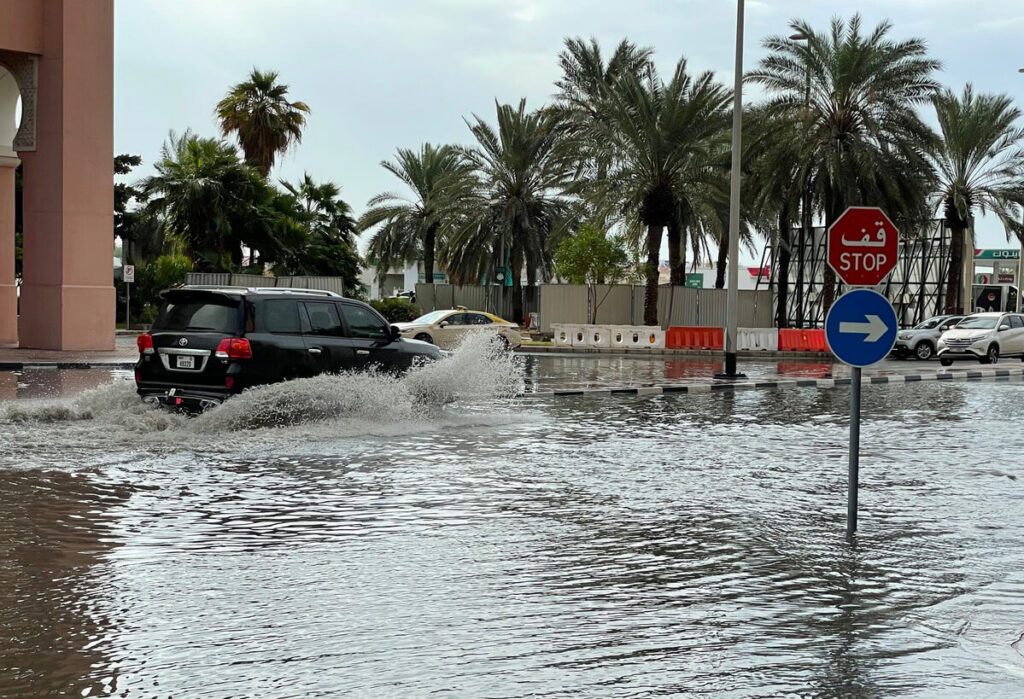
(291, 290)
(259, 290)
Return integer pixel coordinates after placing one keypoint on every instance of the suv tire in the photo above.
(924, 350)
(992, 356)
(423, 337)
(945, 362)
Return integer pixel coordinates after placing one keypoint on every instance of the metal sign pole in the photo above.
(851, 497)
(128, 306)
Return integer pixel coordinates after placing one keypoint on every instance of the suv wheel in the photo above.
(423, 337)
(992, 356)
(924, 350)
(945, 362)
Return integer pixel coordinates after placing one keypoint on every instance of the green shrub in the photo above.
(397, 310)
(148, 314)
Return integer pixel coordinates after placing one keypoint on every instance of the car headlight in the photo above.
(905, 336)
(983, 338)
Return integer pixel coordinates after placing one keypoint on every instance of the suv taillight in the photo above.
(234, 348)
(145, 342)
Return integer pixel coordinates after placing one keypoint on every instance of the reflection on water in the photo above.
(593, 546)
(53, 383)
(54, 542)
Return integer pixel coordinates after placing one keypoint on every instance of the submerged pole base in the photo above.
(730, 373)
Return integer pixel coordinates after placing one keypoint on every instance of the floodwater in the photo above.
(382, 537)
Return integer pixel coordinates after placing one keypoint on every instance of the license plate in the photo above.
(186, 362)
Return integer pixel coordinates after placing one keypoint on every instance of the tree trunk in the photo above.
(517, 287)
(954, 304)
(675, 238)
(723, 258)
(832, 210)
(651, 289)
(429, 242)
(782, 273)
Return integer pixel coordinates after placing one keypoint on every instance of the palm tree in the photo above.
(663, 139)
(322, 220)
(441, 179)
(585, 85)
(210, 199)
(265, 122)
(775, 172)
(523, 208)
(854, 97)
(980, 165)
(328, 214)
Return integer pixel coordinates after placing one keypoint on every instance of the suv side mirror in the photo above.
(395, 333)
(443, 324)
(1003, 327)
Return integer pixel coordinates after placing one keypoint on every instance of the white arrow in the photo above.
(873, 329)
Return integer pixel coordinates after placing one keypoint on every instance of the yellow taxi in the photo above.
(447, 329)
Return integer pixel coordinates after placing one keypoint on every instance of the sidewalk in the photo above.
(124, 355)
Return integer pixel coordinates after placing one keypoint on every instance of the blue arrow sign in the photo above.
(860, 328)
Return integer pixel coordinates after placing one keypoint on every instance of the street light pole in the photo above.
(734, 205)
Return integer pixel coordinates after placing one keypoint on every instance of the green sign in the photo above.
(996, 254)
(695, 281)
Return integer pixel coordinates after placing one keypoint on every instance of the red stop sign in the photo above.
(862, 246)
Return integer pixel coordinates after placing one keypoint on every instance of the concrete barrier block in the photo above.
(599, 336)
(562, 335)
(755, 339)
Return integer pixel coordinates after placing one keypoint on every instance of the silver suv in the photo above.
(922, 340)
(985, 337)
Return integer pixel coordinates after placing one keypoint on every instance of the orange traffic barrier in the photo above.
(802, 340)
(679, 337)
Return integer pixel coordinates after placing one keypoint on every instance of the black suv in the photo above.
(210, 343)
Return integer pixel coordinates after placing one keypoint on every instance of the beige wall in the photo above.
(67, 299)
(21, 25)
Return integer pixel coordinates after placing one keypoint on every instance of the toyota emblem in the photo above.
(182, 342)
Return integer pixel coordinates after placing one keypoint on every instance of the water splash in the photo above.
(341, 405)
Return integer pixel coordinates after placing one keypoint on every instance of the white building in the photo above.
(395, 281)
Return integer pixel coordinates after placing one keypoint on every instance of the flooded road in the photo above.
(400, 538)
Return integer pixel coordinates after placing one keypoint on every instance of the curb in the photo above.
(645, 352)
(970, 375)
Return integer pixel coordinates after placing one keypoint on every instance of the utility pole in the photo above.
(732, 295)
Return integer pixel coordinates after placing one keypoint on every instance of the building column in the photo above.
(8, 289)
(67, 298)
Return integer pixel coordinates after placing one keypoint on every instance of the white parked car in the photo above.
(922, 340)
(985, 337)
(447, 329)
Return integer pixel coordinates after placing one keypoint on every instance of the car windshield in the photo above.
(930, 323)
(978, 323)
(431, 318)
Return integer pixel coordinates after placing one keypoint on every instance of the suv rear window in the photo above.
(210, 314)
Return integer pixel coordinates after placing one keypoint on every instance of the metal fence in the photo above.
(916, 287)
(617, 305)
(492, 299)
(335, 284)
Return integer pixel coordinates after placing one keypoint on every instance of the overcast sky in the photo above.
(382, 75)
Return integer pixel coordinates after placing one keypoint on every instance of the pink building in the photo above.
(57, 56)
